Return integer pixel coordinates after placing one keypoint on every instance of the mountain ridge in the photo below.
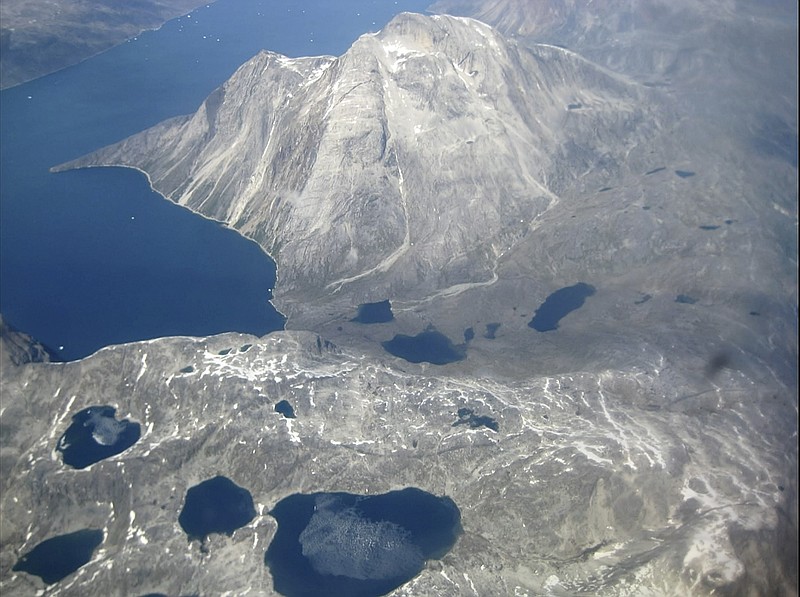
(358, 112)
(460, 195)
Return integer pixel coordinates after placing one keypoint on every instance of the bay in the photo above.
(92, 258)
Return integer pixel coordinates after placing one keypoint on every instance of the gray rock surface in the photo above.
(416, 159)
(436, 158)
(645, 447)
(728, 42)
(604, 483)
(18, 348)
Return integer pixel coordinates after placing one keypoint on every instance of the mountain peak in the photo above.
(410, 165)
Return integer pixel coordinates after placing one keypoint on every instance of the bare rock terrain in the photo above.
(605, 483)
(646, 446)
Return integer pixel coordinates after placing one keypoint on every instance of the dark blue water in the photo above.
(217, 505)
(70, 252)
(466, 416)
(345, 545)
(283, 407)
(58, 557)
(558, 305)
(94, 435)
(380, 312)
(429, 346)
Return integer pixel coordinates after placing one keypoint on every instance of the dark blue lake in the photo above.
(346, 545)
(429, 346)
(216, 505)
(93, 257)
(94, 435)
(58, 557)
(558, 305)
(285, 408)
(380, 312)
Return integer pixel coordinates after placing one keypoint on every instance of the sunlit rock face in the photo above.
(416, 159)
(466, 179)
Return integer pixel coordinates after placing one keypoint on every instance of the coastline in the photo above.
(65, 167)
(113, 42)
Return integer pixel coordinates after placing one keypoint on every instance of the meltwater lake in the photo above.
(94, 257)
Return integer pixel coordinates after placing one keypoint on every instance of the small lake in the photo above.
(94, 435)
(466, 416)
(58, 557)
(347, 545)
(216, 505)
(285, 408)
(558, 305)
(491, 330)
(93, 257)
(380, 312)
(429, 346)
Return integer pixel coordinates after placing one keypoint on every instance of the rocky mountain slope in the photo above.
(730, 63)
(639, 448)
(464, 176)
(662, 43)
(415, 159)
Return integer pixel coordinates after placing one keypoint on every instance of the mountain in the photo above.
(731, 64)
(639, 448)
(656, 41)
(464, 176)
(415, 159)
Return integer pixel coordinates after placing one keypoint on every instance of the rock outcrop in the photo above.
(594, 483)
(18, 348)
